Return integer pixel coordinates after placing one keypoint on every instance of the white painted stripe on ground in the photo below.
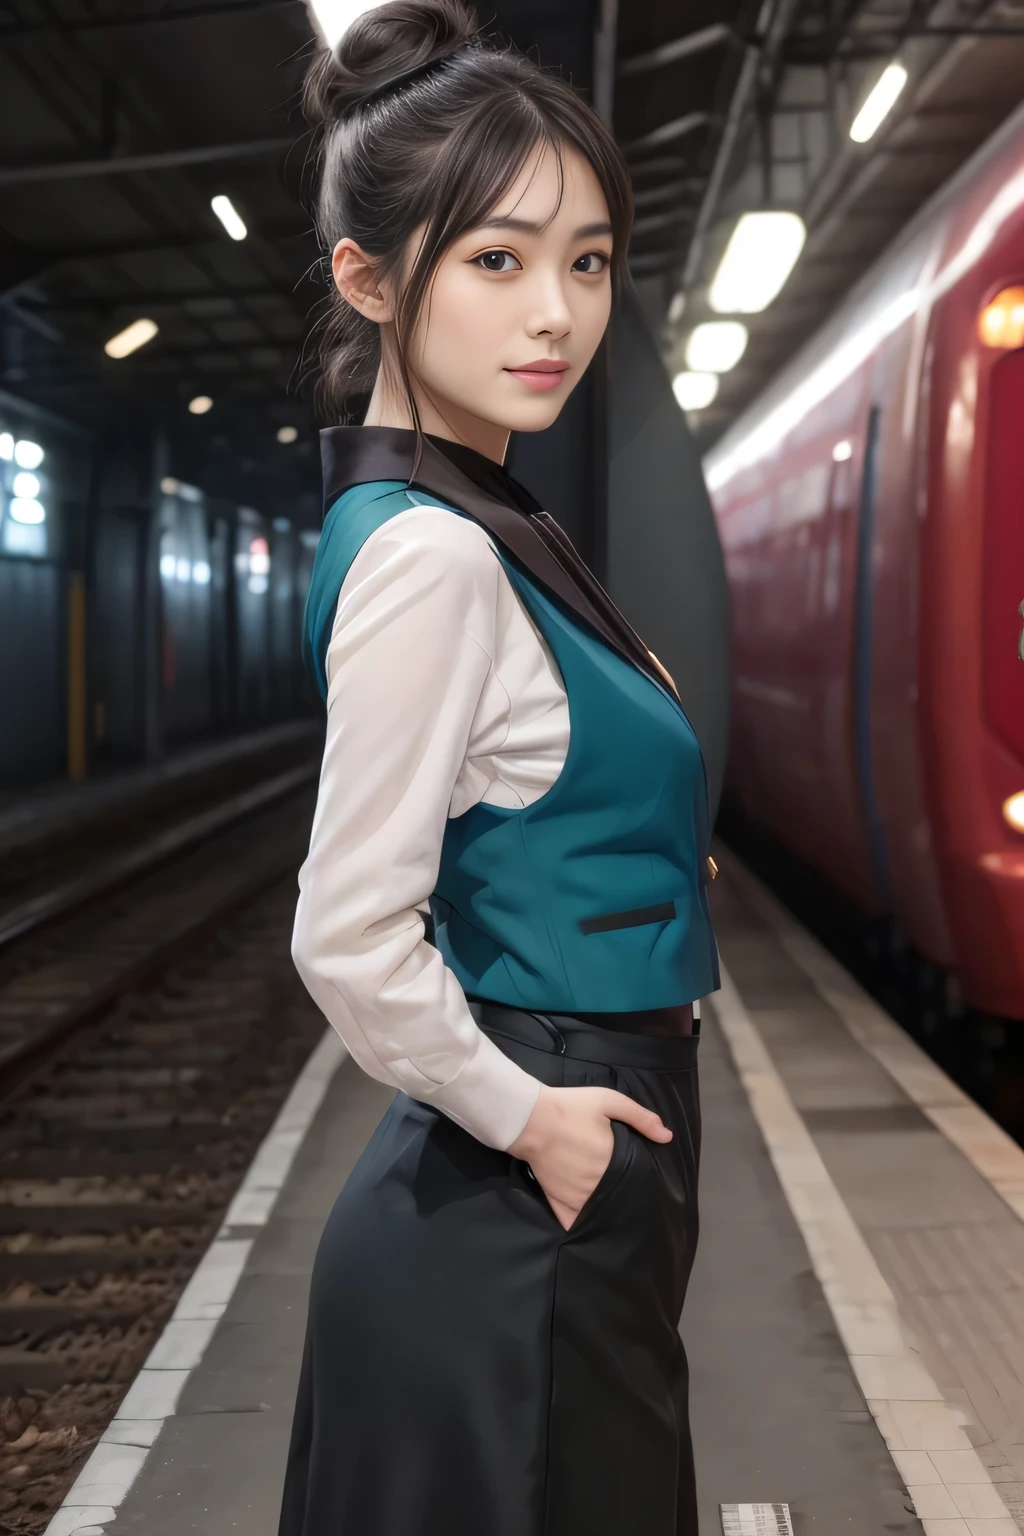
(986, 1146)
(952, 1491)
(152, 1398)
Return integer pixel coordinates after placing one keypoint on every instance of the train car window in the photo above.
(863, 655)
(1003, 681)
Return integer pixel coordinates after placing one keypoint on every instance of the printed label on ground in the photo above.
(756, 1520)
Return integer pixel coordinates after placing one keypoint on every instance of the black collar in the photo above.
(488, 493)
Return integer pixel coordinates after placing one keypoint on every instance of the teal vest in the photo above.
(593, 898)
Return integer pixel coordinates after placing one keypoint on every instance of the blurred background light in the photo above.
(842, 451)
(229, 216)
(131, 338)
(1013, 810)
(200, 405)
(287, 434)
(26, 484)
(27, 510)
(879, 104)
(761, 253)
(1001, 323)
(334, 17)
(693, 391)
(716, 346)
(28, 455)
(6, 446)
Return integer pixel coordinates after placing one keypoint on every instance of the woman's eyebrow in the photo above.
(526, 227)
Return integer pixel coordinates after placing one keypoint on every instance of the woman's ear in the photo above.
(355, 277)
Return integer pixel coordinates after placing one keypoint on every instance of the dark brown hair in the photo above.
(423, 122)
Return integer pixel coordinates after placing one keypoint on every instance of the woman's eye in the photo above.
(592, 263)
(498, 261)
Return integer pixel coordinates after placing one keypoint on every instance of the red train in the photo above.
(871, 508)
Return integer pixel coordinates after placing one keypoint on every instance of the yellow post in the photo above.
(77, 746)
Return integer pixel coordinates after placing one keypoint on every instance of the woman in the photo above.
(503, 911)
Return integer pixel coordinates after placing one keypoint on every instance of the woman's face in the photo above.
(517, 307)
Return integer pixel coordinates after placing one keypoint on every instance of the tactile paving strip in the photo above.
(756, 1520)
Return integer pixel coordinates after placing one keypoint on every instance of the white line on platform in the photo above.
(986, 1146)
(152, 1398)
(952, 1491)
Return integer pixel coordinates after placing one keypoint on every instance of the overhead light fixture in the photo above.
(842, 451)
(229, 216)
(287, 434)
(26, 484)
(334, 17)
(693, 391)
(879, 104)
(200, 405)
(131, 338)
(761, 253)
(28, 455)
(6, 445)
(716, 346)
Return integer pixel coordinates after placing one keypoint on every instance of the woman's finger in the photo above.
(621, 1107)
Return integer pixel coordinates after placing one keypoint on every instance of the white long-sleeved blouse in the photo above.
(441, 693)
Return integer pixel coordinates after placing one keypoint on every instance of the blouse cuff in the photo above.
(490, 1096)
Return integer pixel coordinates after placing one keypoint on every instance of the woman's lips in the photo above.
(540, 376)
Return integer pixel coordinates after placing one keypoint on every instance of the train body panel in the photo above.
(871, 507)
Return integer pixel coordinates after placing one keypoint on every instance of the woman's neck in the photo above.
(387, 409)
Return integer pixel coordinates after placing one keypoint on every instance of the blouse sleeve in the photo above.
(409, 656)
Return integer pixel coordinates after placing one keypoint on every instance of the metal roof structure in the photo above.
(726, 106)
(120, 119)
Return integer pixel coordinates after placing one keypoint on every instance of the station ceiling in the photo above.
(120, 119)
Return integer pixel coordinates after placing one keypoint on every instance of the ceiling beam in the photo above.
(159, 160)
(668, 133)
(682, 48)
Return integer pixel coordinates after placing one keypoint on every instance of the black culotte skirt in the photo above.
(471, 1368)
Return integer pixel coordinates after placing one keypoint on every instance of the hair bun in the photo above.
(381, 47)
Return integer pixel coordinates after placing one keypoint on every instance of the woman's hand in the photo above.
(568, 1141)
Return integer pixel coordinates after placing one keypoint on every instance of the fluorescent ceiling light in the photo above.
(131, 338)
(6, 446)
(761, 254)
(879, 104)
(26, 485)
(334, 17)
(716, 346)
(287, 434)
(200, 405)
(693, 391)
(28, 455)
(226, 211)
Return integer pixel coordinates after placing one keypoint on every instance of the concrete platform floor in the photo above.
(851, 1325)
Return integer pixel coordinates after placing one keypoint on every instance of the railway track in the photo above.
(147, 1040)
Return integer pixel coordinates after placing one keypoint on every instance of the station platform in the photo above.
(56, 808)
(855, 1323)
